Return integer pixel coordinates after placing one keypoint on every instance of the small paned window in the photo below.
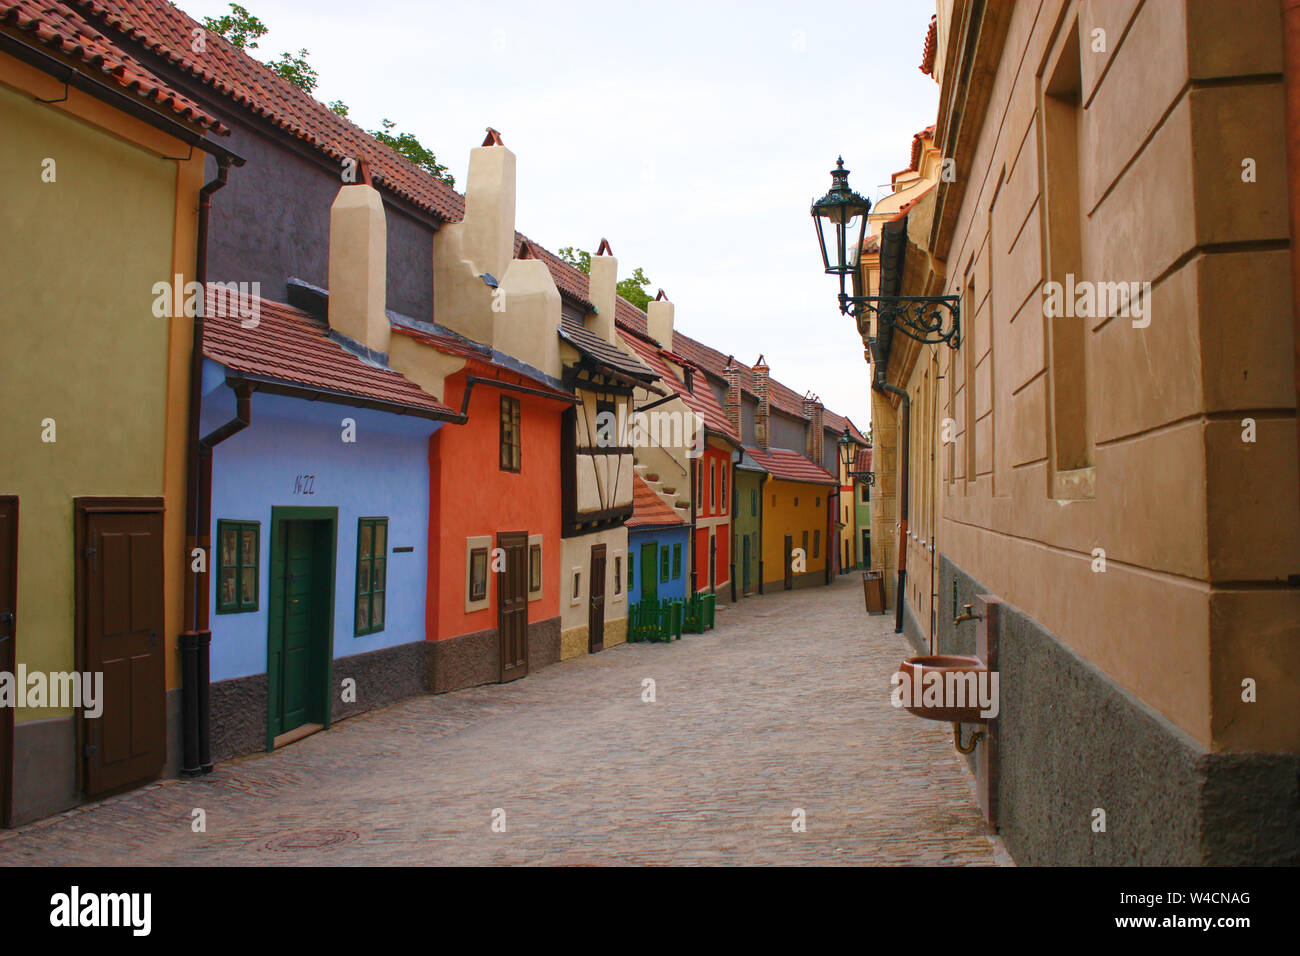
(713, 486)
(631, 560)
(753, 502)
(817, 544)
(724, 488)
(510, 443)
(478, 565)
(534, 567)
(372, 574)
(663, 564)
(618, 574)
(237, 554)
(677, 560)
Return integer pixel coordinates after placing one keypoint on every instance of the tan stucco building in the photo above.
(1111, 451)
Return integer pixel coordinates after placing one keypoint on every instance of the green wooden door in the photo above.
(300, 626)
(649, 572)
(299, 623)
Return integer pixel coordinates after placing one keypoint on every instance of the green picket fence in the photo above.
(655, 621)
(699, 613)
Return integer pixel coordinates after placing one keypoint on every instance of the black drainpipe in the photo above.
(695, 486)
(762, 496)
(196, 639)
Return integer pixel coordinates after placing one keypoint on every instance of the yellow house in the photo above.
(101, 167)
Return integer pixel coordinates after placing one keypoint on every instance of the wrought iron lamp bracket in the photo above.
(929, 319)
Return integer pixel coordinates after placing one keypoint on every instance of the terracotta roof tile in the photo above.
(167, 31)
(482, 359)
(790, 466)
(649, 510)
(290, 346)
(701, 401)
(862, 461)
(930, 48)
(58, 26)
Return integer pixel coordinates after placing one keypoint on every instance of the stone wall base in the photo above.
(1073, 741)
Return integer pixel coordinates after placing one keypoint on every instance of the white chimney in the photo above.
(488, 238)
(659, 318)
(603, 291)
(358, 267)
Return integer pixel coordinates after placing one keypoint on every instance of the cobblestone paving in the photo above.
(784, 705)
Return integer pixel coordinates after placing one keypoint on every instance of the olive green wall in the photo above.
(81, 346)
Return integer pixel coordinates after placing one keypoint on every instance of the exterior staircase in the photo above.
(667, 491)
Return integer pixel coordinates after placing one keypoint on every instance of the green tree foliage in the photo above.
(239, 28)
(412, 149)
(632, 288)
(338, 106)
(242, 30)
(296, 70)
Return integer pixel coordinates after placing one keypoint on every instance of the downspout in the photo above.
(196, 639)
(1291, 87)
(695, 487)
(879, 385)
(736, 457)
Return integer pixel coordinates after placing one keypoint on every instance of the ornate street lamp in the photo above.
(930, 319)
(847, 455)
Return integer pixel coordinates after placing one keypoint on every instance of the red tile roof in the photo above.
(290, 346)
(917, 142)
(701, 401)
(446, 343)
(481, 360)
(167, 31)
(649, 510)
(930, 48)
(790, 466)
(862, 460)
(61, 28)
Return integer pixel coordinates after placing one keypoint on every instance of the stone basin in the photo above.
(914, 668)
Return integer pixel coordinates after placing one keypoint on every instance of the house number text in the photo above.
(304, 485)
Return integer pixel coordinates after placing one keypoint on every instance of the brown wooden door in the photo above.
(8, 643)
(512, 605)
(596, 610)
(122, 637)
(713, 563)
(789, 561)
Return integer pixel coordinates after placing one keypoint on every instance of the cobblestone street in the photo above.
(785, 705)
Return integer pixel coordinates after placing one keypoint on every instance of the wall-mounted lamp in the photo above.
(930, 319)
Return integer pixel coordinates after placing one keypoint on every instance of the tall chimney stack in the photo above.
(603, 291)
(810, 433)
(763, 420)
(733, 406)
(489, 224)
(358, 266)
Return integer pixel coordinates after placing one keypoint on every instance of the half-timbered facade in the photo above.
(597, 469)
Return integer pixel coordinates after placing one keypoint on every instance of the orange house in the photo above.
(492, 608)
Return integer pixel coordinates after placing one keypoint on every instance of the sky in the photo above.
(693, 136)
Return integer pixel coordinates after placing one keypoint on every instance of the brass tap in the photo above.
(956, 737)
(967, 616)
